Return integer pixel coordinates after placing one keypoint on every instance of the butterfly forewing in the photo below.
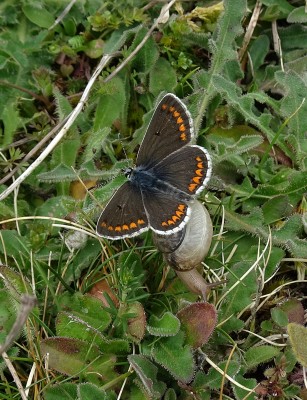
(124, 215)
(187, 169)
(170, 129)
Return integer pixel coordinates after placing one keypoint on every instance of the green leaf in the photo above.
(213, 379)
(111, 105)
(229, 28)
(276, 209)
(259, 355)
(66, 153)
(294, 108)
(298, 339)
(162, 77)
(61, 173)
(15, 245)
(298, 15)
(118, 38)
(80, 261)
(11, 122)
(71, 325)
(275, 257)
(38, 15)
(147, 56)
(94, 144)
(252, 223)
(63, 107)
(167, 325)
(292, 391)
(245, 104)
(147, 372)
(175, 357)
(87, 309)
(73, 357)
(222, 46)
(64, 391)
(241, 393)
(279, 317)
(88, 391)
(293, 37)
(241, 296)
(259, 50)
(170, 394)
(242, 145)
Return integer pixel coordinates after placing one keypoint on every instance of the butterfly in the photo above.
(168, 175)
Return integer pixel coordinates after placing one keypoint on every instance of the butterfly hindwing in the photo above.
(187, 169)
(124, 215)
(166, 213)
(171, 127)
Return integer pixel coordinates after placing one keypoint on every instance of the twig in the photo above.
(218, 369)
(34, 150)
(277, 44)
(71, 118)
(15, 376)
(164, 10)
(62, 15)
(27, 304)
(105, 59)
(250, 29)
(41, 99)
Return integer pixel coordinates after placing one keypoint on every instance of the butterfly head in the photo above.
(127, 172)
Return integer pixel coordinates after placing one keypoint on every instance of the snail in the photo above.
(186, 249)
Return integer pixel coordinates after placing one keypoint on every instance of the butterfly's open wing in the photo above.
(124, 215)
(187, 169)
(171, 127)
(166, 214)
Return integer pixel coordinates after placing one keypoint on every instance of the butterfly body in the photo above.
(149, 181)
(169, 173)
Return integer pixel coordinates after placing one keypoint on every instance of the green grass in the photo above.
(112, 320)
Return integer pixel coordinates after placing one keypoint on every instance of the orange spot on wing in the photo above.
(141, 222)
(182, 128)
(179, 121)
(181, 207)
(177, 216)
(172, 109)
(183, 136)
(196, 179)
(199, 172)
(125, 227)
(118, 228)
(192, 187)
(164, 107)
(132, 225)
(110, 228)
(176, 114)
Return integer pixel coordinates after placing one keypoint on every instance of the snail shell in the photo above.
(186, 249)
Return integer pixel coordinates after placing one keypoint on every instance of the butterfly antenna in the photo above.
(123, 146)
